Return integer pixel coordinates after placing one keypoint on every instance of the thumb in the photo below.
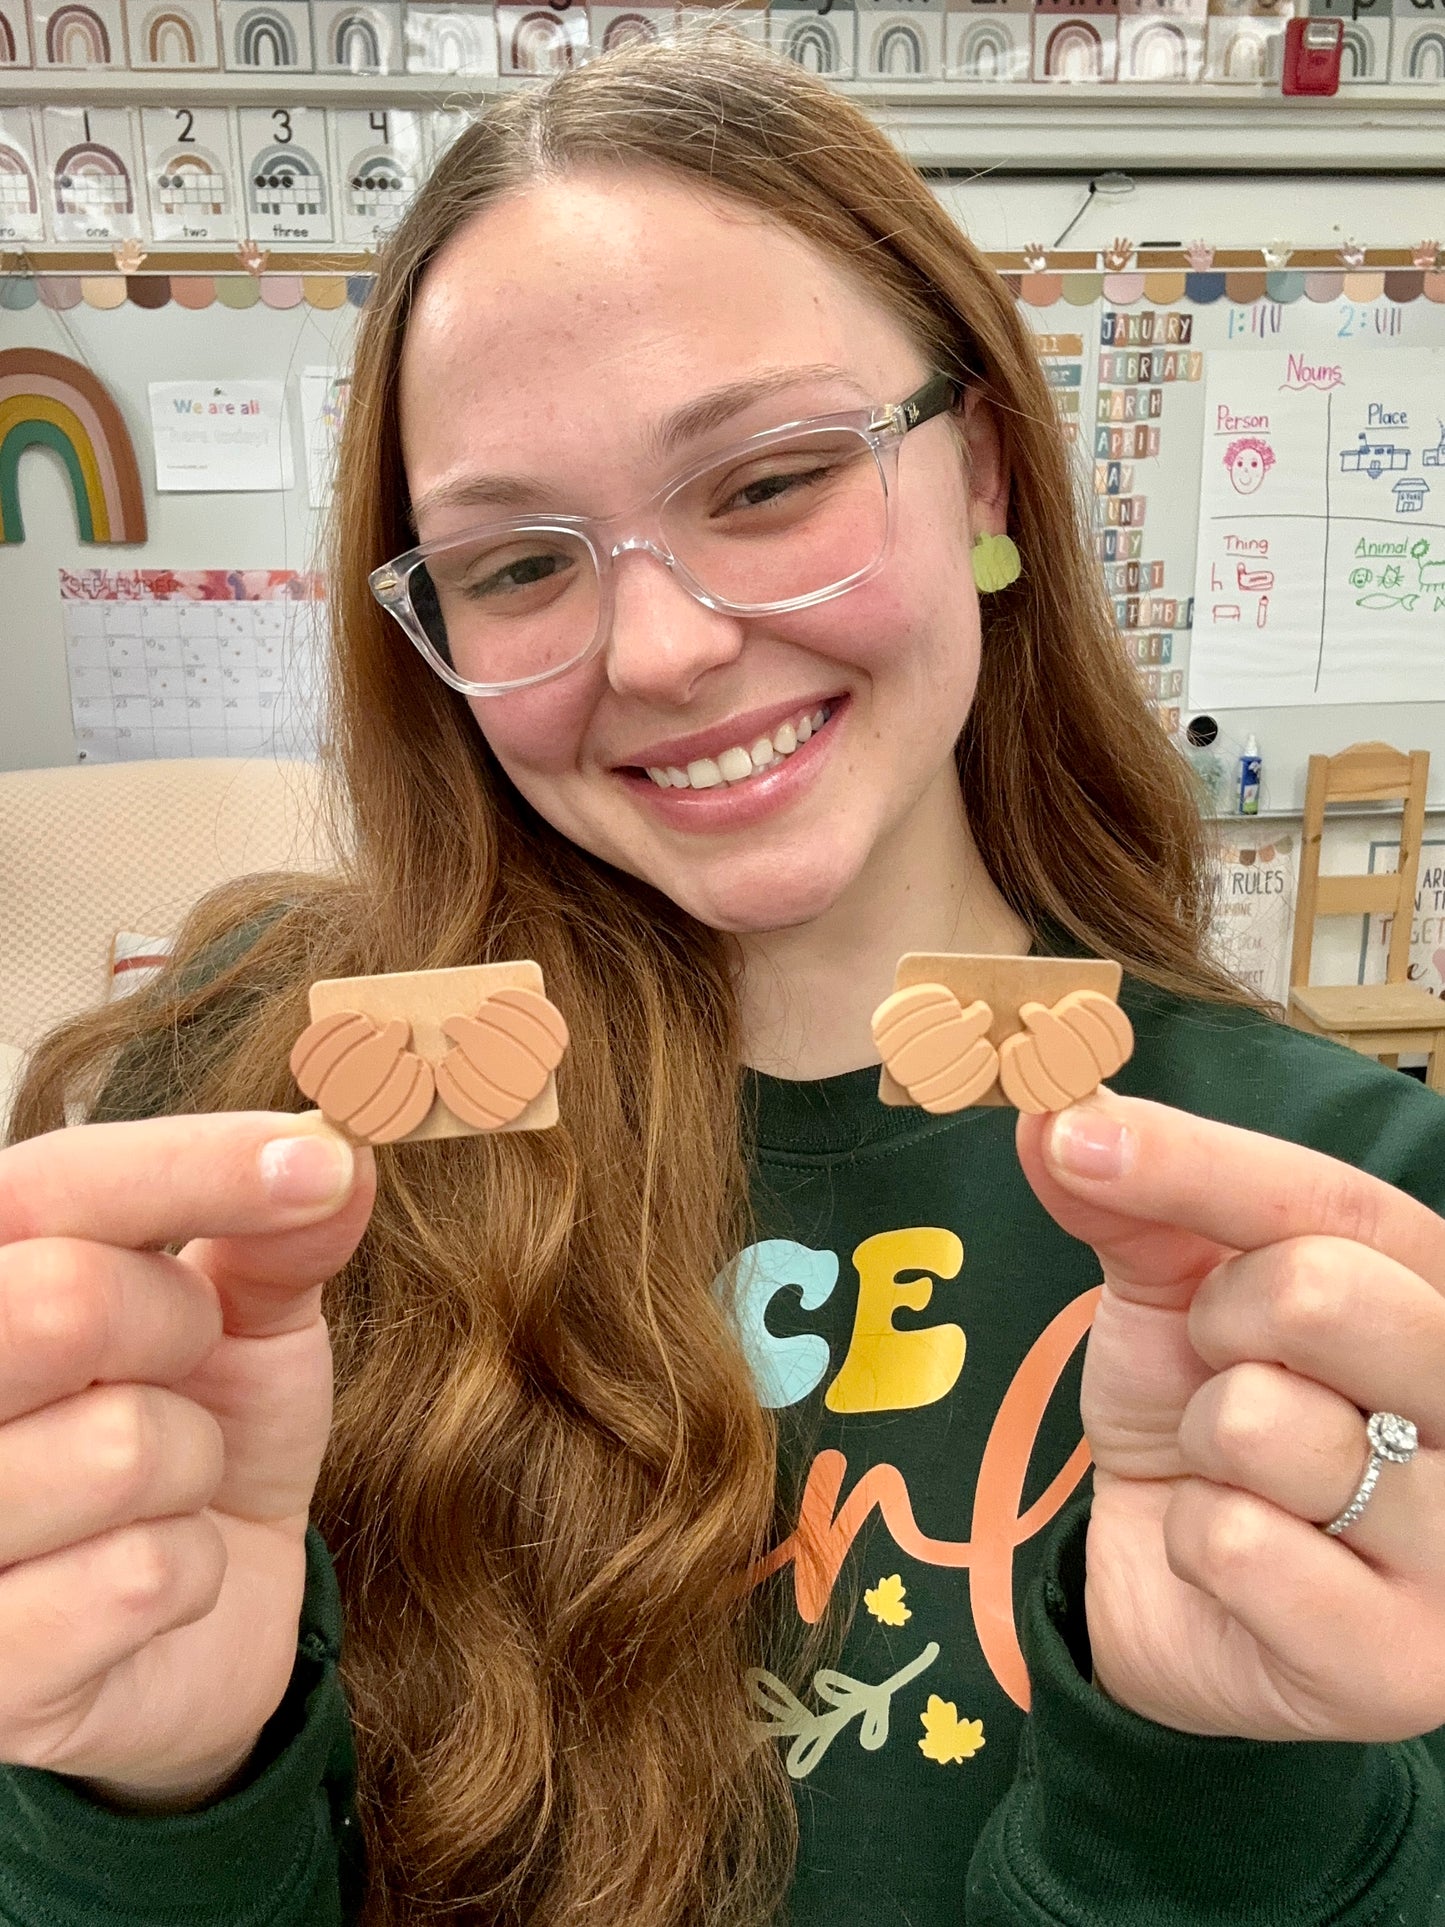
(269, 1282)
(1102, 1169)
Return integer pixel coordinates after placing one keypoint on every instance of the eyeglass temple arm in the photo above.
(937, 393)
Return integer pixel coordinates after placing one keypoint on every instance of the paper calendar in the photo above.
(192, 662)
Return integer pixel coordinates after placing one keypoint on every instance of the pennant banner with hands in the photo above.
(1260, 1301)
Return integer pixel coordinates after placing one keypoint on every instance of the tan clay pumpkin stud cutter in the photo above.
(432, 1053)
(1039, 1033)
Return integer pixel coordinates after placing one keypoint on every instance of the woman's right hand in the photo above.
(162, 1423)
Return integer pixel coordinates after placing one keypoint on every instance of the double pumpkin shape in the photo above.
(365, 1076)
(942, 1055)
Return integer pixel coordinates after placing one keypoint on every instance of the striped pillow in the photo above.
(136, 961)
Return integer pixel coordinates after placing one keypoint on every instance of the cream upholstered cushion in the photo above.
(90, 850)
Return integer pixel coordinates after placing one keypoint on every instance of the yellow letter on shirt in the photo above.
(888, 1370)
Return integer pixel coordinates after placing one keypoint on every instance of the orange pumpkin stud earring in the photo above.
(1064, 1052)
(939, 1052)
(362, 1076)
(501, 1057)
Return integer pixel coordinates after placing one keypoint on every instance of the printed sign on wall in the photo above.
(220, 436)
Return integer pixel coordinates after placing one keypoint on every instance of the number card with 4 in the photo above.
(192, 176)
(377, 163)
(287, 182)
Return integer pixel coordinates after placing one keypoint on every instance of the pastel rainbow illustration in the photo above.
(50, 401)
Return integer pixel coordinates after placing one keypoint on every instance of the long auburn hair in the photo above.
(548, 1464)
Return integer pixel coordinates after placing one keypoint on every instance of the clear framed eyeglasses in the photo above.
(783, 520)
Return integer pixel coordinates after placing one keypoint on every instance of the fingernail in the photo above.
(308, 1169)
(1091, 1144)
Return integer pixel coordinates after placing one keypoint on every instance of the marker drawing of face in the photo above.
(1248, 462)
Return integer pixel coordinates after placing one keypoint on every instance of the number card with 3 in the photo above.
(287, 185)
(192, 176)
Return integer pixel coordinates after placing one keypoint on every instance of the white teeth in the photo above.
(737, 765)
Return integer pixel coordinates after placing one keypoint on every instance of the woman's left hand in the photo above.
(1259, 1301)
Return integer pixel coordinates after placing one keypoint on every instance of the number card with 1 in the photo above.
(283, 157)
(192, 174)
(92, 170)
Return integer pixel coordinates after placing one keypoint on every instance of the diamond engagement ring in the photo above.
(1391, 1437)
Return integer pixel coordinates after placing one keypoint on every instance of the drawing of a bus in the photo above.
(1373, 458)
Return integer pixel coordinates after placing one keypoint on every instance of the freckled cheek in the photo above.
(538, 729)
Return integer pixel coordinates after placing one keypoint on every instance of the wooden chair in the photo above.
(1380, 1020)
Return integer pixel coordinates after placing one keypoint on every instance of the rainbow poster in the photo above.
(50, 401)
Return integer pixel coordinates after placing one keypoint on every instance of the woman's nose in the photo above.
(662, 640)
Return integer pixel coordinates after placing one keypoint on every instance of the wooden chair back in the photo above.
(1363, 773)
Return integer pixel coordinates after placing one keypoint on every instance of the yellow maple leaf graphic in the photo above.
(885, 1601)
(948, 1739)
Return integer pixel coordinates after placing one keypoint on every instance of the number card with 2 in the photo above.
(288, 188)
(192, 174)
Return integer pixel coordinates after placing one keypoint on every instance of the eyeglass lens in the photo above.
(789, 521)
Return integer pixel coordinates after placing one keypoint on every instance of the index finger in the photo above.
(167, 1180)
(1184, 1185)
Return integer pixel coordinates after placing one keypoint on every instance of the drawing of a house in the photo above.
(78, 33)
(1373, 458)
(1435, 457)
(357, 36)
(988, 40)
(900, 39)
(172, 33)
(14, 34)
(822, 40)
(1076, 40)
(541, 39)
(450, 39)
(274, 35)
(1409, 493)
(1161, 40)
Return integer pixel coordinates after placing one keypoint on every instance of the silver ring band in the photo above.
(1391, 1438)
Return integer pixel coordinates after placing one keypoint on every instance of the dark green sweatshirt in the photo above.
(918, 1320)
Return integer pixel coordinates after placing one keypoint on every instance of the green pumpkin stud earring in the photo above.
(996, 563)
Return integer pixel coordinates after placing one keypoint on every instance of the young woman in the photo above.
(706, 1484)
